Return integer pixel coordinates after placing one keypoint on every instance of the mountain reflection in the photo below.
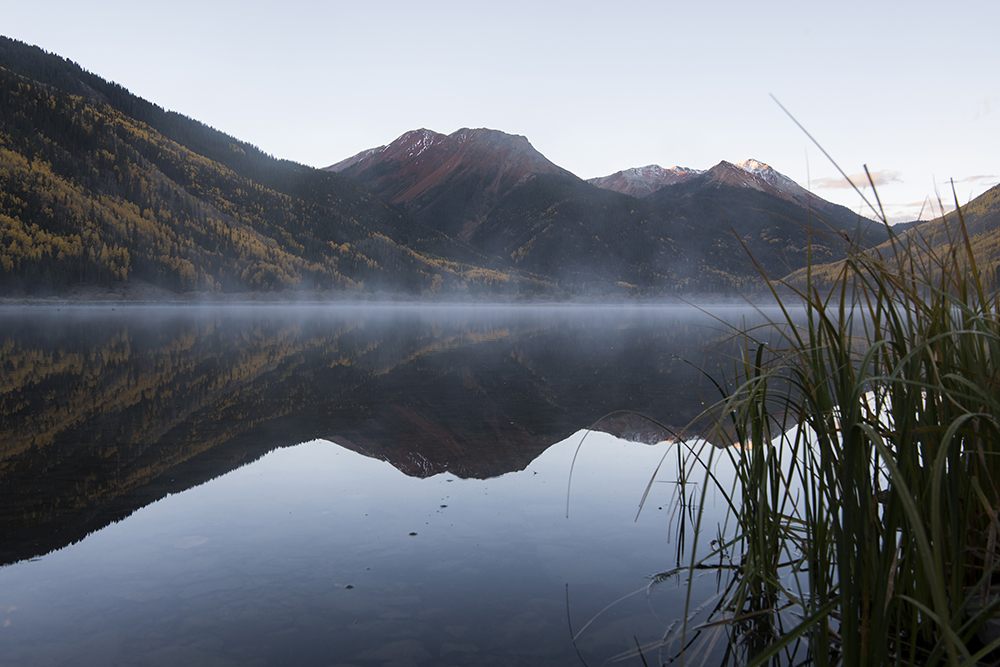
(104, 411)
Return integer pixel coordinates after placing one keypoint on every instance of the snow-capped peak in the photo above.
(770, 175)
(753, 165)
(643, 181)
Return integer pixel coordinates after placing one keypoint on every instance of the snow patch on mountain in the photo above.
(655, 172)
(686, 170)
(643, 181)
(423, 140)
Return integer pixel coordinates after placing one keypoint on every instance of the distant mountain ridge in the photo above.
(643, 181)
(751, 173)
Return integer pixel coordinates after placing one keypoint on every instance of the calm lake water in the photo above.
(346, 486)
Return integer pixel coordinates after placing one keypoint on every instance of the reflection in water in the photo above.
(104, 412)
(317, 555)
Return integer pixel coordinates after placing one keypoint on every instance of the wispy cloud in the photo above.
(979, 178)
(880, 178)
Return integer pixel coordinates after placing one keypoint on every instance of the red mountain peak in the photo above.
(477, 167)
(422, 159)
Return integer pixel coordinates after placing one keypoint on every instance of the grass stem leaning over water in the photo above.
(867, 488)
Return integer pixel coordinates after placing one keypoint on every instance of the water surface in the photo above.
(343, 486)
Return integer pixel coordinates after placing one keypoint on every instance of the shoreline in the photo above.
(149, 295)
(7, 303)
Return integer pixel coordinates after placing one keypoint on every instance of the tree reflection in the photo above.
(102, 412)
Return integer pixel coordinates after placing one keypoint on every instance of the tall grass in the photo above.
(867, 484)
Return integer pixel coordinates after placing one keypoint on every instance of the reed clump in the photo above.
(867, 469)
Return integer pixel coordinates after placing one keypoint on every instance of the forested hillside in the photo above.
(98, 186)
(937, 243)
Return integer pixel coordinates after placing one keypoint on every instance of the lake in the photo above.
(349, 486)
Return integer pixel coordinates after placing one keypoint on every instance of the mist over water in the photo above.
(227, 484)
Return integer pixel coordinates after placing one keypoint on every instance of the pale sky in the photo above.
(911, 89)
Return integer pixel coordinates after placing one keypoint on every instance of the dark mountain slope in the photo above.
(563, 227)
